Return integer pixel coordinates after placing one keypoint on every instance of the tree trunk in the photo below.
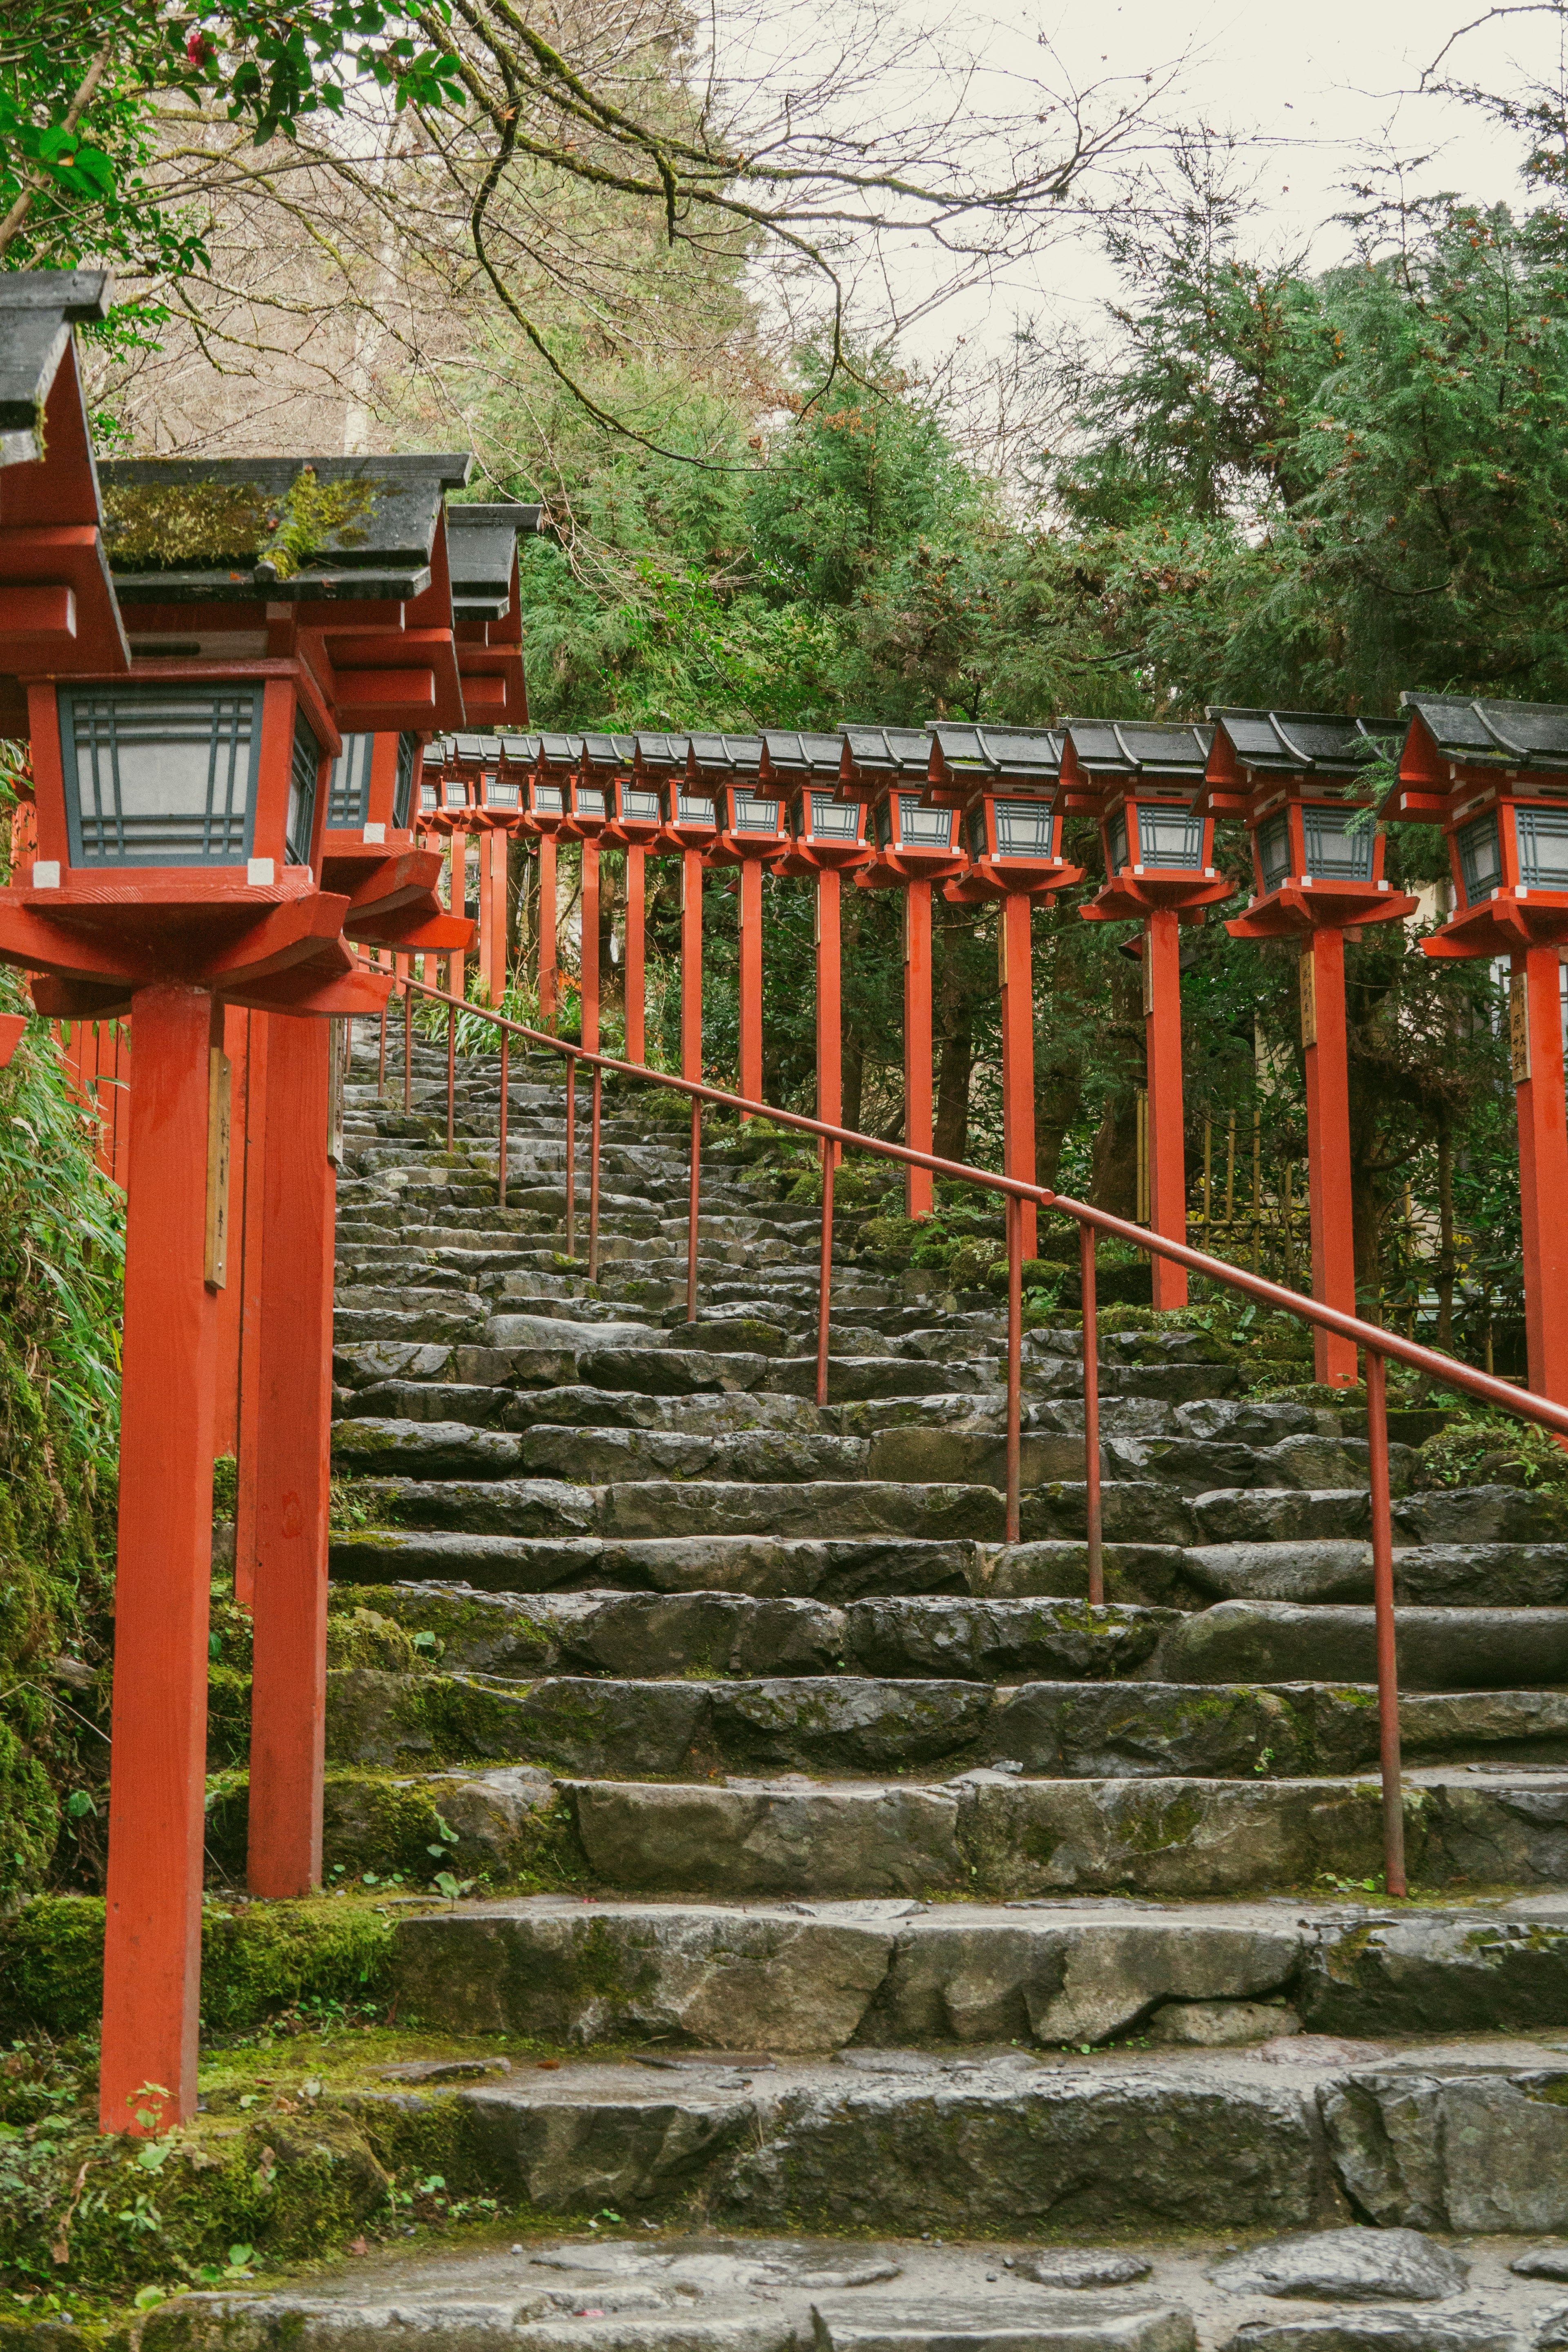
(954, 1066)
(955, 1022)
(1446, 1253)
(1113, 1183)
(852, 1064)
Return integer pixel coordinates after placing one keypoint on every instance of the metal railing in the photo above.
(1377, 1343)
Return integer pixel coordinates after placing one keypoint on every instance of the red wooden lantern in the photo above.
(636, 825)
(1494, 775)
(751, 829)
(827, 838)
(548, 796)
(181, 744)
(1006, 782)
(1145, 780)
(1317, 864)
(690, 825)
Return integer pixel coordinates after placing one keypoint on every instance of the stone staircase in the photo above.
(885, 1889)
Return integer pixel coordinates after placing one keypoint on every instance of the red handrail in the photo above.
(1377, 1343)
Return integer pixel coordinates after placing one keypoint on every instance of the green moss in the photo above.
(256, 1961)
(387, 1824)
(183, 525)
(1484, 1449)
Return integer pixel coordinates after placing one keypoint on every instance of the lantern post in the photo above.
(637, 827)
(556, 759)
(497, 816)
(180, 811)
(1317, 861)
(913, 846)
(1494, 775)
(826, 838)
(1145, 780)
(752, 832)
(1006, 782)
(590, 810)
(691, 828)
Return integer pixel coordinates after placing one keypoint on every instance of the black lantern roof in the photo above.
(662, 755)
(521, 750)
(477, 748)
(38, 308)
(481, 546)
(798, 756)
(615, 753)
(1107, 749)
(879, 754)
(183, 531)
(1003, 755)
(1531, 736)
(1305, 742)
(727, 755)
(556, 751)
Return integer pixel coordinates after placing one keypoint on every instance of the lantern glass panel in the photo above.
(1023, 829)
(454, 794)
(979, 844)
(1273, 843)
(429, 800)
(304, 776)
(882, 823)
(1480, 858)
(693, 808)
(589, 800)
(548, 800)
(1170, 836)
(1338, 849)
(165, 776)
(403, 790)
(752, 815)
(348, 794)
(923, 828)
(640, 807)
(833, 820)
(502, 793)
(1116, 835)
(1542, 837)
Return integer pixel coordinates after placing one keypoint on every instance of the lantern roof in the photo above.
(883, 754)
(233, 529)
(477, 747)
(482, 548)
(38, 308)
(609, 751)
(1107, 749)
(1298, 742)
(797, 756)
(521, 750)
(559, 750)
(1528, 736)
(662, 754)
(730, 754)
(1020, 755)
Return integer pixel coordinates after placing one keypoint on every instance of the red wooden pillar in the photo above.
(1536, 1025)
(157, 1786)
(230, 1299)
(245, 1270)
(547, 985)
(457, 900)
(299, 1200)
(751, 979)
(1328, 1147)
(691, 963)
(1167, 1141)
(588, 952)
(829, 1014)
(917, 1043)
(492, 912)
(1019, 1053)
(632, 969)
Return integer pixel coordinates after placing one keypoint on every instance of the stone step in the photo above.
(449, 1449)
(1438, 1649)
(849, 1723)
(760, 1566)
(1456, 1576)
(911, 1978)
(1466, 2137)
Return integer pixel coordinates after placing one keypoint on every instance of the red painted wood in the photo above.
(1167, 1141)
(245, 1267)
(1329, 1158)
(918, 1131)
(691, 963)
(637, 923)
(548, 988)
(588, 950)
(299, 1191)
(1018, 1056)
(158, 1755)
(226, 1429)
(829, 1037)
(1544, 1177)
(750, 885)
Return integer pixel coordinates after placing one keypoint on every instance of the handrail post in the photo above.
(451, 1074)
(692, 1210)
(1091, 1413)
(501, 1155)
(1382, 1607)
(825, 1272)
(594, 1177)
(381, 1061)
(1015, 1361)
(571, 1155)
(408, 1043)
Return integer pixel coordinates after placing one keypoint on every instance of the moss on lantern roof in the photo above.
(239, 521)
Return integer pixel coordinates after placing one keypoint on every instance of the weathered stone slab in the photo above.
(773, 1839)
(1356, 2265)
(1424, 2150)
